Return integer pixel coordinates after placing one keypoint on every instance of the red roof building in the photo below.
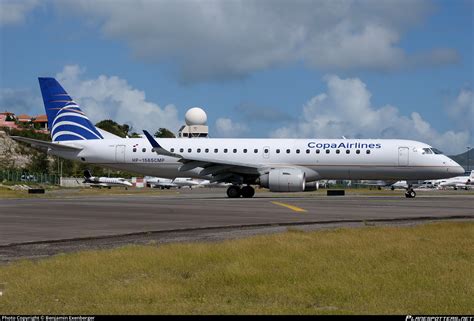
(42, 120)
(24, 118)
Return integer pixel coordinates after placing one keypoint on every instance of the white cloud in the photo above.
(15, 11)
(462, 109)
(225, 127)
(21, 101)
(214, 39)
(346, 109)
(110, 97)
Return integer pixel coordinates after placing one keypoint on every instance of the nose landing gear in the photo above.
(410, 193)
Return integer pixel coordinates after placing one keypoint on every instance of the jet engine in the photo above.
(311, 186)
(284, 180)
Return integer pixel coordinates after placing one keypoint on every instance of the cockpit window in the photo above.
(427, 151)
(436, 151)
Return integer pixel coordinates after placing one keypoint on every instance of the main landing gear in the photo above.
(410, 193)
(235, 191)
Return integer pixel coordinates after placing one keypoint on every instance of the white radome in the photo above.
(195, 116)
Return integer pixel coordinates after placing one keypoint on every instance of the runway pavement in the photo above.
(39, 220)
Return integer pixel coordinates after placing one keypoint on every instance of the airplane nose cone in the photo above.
(454, 168)
(458, 170)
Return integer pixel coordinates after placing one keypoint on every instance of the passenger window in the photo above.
(206, 150)
(198, 150)
(134, 150)
(278, 151)
(255, 151)
(308, 151)
(172, 150)
(348, 151)
(327, 151)
(245, 150)
(358, 151)
(318, 151)
(297, 151)
(235, 150)
(367, 151)
(338, 151)
(189, 150)
(216, 150)
(266, 151)
(143, 149)
(225, 150)
(288, 151)
(181, 150)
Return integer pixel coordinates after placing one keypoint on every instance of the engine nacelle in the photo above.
(284, 180)
(311, 186)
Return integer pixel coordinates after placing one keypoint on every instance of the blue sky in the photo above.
(390, 69)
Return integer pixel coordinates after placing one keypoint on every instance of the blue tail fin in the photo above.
(66, 121)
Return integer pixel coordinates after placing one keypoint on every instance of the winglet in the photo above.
(152, 141)
(157, 148)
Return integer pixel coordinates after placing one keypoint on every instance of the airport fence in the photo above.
(23, 177)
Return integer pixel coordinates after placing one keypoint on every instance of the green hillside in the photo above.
(462, 159)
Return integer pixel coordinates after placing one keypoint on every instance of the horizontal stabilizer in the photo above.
(41, 144)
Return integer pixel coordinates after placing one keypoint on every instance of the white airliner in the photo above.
(464, 182)
(96, 181)
(176, 182)
(282, 165)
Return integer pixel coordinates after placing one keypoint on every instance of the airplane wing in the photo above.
(45, 145)
(221, 171)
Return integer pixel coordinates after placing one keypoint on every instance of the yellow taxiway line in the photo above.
(291, 207)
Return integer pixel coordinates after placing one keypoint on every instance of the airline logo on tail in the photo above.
(66, 120)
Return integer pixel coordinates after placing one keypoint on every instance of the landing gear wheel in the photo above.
(233, 191)
(247, 192)
(410, 194)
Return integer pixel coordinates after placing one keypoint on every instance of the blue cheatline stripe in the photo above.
(62, 124)
(74, 129)
(73, 118)
(77, 119)
(66, 137)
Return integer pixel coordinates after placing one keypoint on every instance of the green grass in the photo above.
(425, 269)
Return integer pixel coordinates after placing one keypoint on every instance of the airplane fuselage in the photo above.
(388, 159)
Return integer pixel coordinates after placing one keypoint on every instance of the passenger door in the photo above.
(403, 156)
(120, 153)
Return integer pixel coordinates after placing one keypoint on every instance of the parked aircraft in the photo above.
(176, 182)
(464, 182)
(282, 165)
(378, 184)
(95, 181)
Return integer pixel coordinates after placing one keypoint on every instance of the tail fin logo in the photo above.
(65, 119)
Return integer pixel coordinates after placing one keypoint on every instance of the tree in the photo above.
(39, 162)
(164, 133)
(113, 127)
(134, 135)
